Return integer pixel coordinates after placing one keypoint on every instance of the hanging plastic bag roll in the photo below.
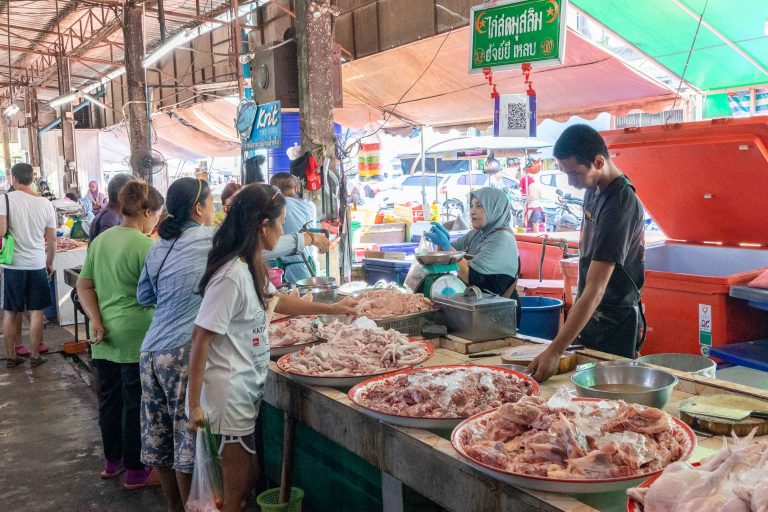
(417, 272)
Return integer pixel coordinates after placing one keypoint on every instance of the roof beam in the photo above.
(721, 36)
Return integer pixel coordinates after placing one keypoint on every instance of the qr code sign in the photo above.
(517, 116)
(513, 115)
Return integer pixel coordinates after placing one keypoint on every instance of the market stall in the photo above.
(64, 260)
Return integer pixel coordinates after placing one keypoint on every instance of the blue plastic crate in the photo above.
(408, 248)
(393, 271)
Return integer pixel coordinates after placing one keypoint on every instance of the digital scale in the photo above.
(441, 269)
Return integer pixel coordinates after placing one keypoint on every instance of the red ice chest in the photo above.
(704, 184)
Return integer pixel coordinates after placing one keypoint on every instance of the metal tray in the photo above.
(355, 395)
(440, 257)
(281, 351)
(343, 382)
(561, 485)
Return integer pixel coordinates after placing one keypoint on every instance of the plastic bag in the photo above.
(417, 272)
(207, 492)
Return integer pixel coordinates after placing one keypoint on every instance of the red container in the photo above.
(570, 268)
(552, 288)
(704, 184)
(530, 246)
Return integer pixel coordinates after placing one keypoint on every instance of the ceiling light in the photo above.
(64, 98)
(11, 110)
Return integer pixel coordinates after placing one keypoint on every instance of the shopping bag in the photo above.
(417, 272)
(6, 252)
(207, 491)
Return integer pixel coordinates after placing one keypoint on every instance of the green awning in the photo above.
(664, 30)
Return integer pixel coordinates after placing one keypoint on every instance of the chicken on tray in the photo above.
(353, 351)
(580, 439)
(443, 392)
(380, 304)
(733, 479)
(295, 331)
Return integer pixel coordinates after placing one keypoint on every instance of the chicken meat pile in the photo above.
(735, 479)
(380, 304)
(578, 440)
(295, 331)
(444, 392)
(352, 351)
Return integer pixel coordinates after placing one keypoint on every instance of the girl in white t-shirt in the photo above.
(230, 343)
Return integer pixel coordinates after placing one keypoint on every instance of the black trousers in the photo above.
(614, 329)
(119, 405)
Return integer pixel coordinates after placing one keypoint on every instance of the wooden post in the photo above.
(67, 128)
(30, 110)
(138, 118)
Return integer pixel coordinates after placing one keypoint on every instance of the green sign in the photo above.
(521, 31)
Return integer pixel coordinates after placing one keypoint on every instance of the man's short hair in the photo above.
(23, 173)
(115, 185)
(285, 181)
(581, 142)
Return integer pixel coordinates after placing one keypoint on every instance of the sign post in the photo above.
(520, 31)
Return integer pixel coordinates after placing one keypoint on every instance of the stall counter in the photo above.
(427, 463)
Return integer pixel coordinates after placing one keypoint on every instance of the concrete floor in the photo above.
(50, 445)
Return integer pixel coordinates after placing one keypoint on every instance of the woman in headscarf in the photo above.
(96, 198)
(492, 263)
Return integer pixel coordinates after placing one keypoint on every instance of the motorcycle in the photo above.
(566, 214)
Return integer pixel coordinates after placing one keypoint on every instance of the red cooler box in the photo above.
(704, 184)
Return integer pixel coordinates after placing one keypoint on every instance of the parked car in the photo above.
(554, 180)
(409, 190)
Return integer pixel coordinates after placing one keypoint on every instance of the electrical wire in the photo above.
(687, 60)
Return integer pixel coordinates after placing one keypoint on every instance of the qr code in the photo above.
(517, 116)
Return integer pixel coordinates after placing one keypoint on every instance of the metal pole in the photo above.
(423, 170)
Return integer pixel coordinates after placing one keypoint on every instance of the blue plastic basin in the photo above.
(540, 317)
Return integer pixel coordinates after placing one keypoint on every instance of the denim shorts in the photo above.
(166, 439)
(25, 290)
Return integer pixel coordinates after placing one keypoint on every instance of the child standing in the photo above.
(230, 344)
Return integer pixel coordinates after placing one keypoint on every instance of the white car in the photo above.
(459, 186)
(553, 180)
(409, 190)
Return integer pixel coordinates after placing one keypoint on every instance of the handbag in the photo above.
(6, 253)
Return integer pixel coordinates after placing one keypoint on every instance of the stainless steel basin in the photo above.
(691, 363)
(637, 384)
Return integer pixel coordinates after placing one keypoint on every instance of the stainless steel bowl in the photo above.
(691, 363)
(324, 289)
(643, 385)
(440, 257)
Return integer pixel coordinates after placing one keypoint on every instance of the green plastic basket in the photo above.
(268, 501)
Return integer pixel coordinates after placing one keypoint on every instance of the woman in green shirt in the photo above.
(107, 290)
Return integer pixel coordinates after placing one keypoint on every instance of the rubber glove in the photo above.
(439, 238)
(440, 227)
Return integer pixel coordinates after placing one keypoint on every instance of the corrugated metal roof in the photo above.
(34, 26)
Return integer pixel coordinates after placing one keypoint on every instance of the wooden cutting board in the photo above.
(723, 426)
(524, 354)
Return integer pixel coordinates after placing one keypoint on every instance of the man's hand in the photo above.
(345, 307)
(49, 269)
(318, 241)
(98, 333)
(545, 365)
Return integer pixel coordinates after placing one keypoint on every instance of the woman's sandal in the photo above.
(14, 362)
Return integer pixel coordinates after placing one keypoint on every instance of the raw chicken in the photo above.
(735, 479)
(571, 439)
(296, 331)
(445, 392)
(380, 304)
(352, 351)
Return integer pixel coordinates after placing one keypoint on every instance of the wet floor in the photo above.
(50, 446)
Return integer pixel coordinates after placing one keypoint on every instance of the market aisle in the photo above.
(50, 447)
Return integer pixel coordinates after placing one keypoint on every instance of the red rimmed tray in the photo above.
(356, 396)
(636, 506)
(562, 485)
(287, 349)
(343, 382)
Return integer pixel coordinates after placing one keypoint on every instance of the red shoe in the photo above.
(137, 479)
(42, 348)
(22, 351)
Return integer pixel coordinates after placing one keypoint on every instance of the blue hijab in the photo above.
(493, 248)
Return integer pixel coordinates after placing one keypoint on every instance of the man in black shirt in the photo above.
(606, 316)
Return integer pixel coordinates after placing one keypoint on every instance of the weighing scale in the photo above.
(441, 269)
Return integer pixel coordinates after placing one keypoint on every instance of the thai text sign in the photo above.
(513, 33)
(267, 128)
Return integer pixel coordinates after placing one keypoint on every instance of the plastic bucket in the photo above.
(275, 277)
(540, 316)
(267, 501)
